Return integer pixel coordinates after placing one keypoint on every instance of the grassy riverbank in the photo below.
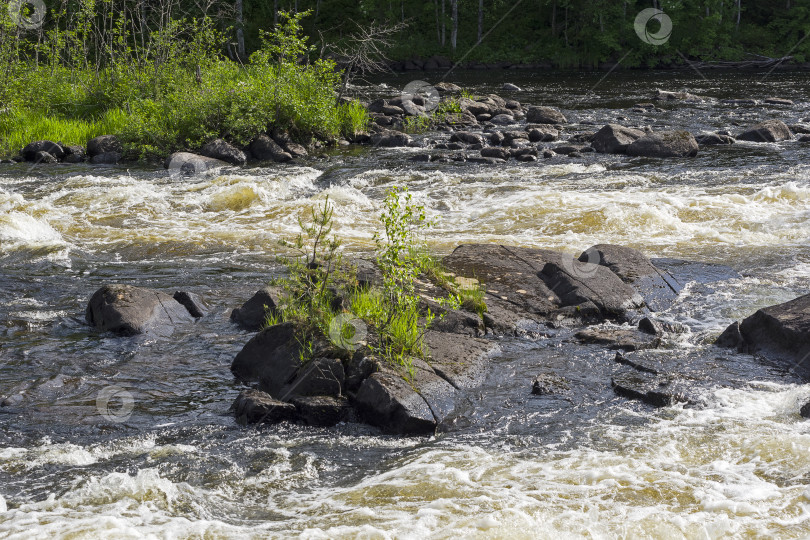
(173, 94)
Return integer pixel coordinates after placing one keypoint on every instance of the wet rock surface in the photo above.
(127, 311)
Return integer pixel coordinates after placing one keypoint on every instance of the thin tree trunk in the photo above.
(739, 13)
(554, 19)
(438, 29)
(240, 33)
(454, 31)
(444, 25)
(480, 19)
(275, 12)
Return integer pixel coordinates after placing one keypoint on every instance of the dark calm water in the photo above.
(582, 464)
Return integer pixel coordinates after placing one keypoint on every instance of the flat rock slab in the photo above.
(126, 310)
(658, 288)
(459, 359)
(649, 388)
(625, 339)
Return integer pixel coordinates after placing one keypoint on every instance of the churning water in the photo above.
(585, 463)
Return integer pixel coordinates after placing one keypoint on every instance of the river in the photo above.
(583, 464)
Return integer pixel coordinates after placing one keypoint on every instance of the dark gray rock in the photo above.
(485, 160)
(256, 407)
(74, 154)
(107, 158)
(495, 152)
(29, 153)
(778, 101)
(317, 377)
(664, 144)
(509, 87)
(496, 138)
(357, 369)
(502, 119)
(543, 134)
(710, 139)
(547, 384)
(545, 115)
(295, 150)
(618, 338)
(126, 310)
(458, 359)
(447, 88)
(103, 144)
(44, 157)
(658, 288)
(467, 137)
(265, 148)
(193, 304)
(224, 151)
(391, 139)
(392, 110)
(780, 332)
(649, 388)
(271, 356)
(805, 410)
(804, 138)
(768, 131)
(322, 410)
(253, 313)
(649, 326)
(662, 95)
(387, 401)
(614, 139)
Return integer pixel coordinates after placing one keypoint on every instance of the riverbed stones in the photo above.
(664, 144)
(768, 131)
(265, 148)
(224, 151)
(272, 356)
(780, 332)
(618, 338)
(663, 95)
(44, 157)
(391, 139)
(543, 134)
(502, 119)
(650, 388)
(316, 377)
(614, 139)
(253, 406)
(106, 158)
(253, 313)
(322, 411)
(74, 154)
(546, 384)
(495, 152)
(545, 115)
(192, 302)
(778, 101)
(712, 139)
(467, 138)
(127, 311)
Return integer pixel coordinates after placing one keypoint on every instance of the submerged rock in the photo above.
(663, 95)
(768, 131)
(652, 389)
(189, 163)
(128, 311)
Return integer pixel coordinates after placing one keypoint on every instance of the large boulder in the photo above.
(224, 151)
(264, 148)
(103, 144)
(29, 153)
(545, 115)
(272, 356)
(664, 144)
(614, 139)
(127, 311)
(781, 332)
(658, 288)
(387, 401)
(768, 131)
(253, 313)
(317, 377)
